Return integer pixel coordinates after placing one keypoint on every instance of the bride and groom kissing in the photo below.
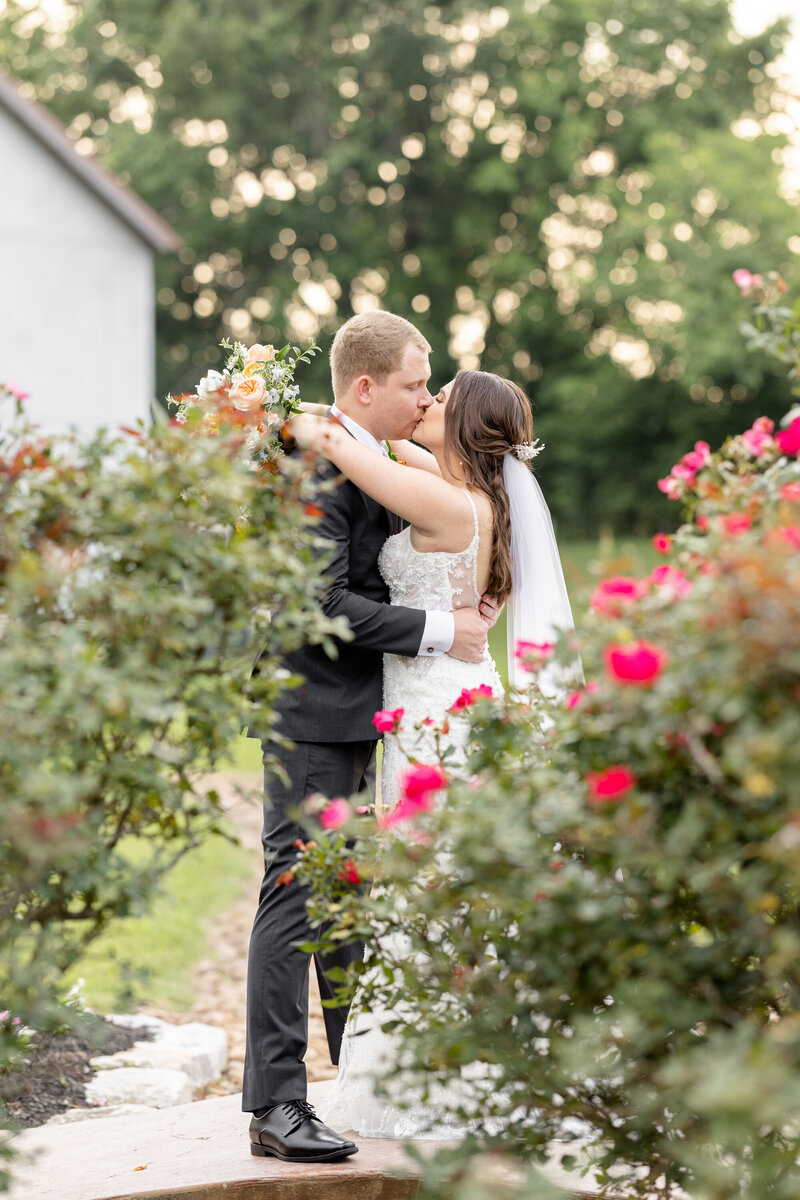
(419, 601)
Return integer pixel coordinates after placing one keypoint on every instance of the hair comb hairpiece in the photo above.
(525, 451)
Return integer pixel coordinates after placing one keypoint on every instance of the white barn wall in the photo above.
(76, 295)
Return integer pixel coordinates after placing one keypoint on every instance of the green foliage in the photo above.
(604, 909)
(138, 579)
(151, 958)
(561, 192)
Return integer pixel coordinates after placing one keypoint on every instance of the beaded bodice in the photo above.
(433, 579)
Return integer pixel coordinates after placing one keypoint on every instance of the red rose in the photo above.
(469, 696)
(662, 542)
(388, 720)
(418, 786)
(349, 873)
(610, 785)
(638, 663)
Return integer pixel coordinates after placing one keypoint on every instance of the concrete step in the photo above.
(200, 1151)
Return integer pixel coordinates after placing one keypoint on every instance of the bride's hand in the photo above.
(307, 430)
(318, 410)
(489, 609)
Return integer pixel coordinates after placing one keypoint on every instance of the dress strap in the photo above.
(474, 512)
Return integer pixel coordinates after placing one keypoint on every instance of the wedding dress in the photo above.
(423, 687)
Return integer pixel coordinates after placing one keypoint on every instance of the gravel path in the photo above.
(220, 978)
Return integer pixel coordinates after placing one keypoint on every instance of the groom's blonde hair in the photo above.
(371, 343)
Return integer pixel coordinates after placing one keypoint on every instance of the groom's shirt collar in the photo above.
(359, 433)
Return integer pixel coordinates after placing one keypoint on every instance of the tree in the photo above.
(559, 198)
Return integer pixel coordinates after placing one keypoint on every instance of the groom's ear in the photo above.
(364, 388)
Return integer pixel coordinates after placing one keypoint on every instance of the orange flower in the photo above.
(259, 354)
(248, 395)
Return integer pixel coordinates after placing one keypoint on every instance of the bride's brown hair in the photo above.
(485, 416)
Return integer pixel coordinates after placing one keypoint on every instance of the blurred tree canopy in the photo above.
(558, 191)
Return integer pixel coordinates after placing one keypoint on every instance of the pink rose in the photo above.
(735, 523)
(575, 698)
(759, 437)
(662, 542)
(666, 576)
(745, 281)
(388, 720)
(637, 663)
(789, 439)
(335, 815)
(696, 459)
(616, 595)
(683, 472)
(610, 785)
(788, 535)
(790, 492)
(248, 394)
(533, 655)
(671, 487)
(469, 696)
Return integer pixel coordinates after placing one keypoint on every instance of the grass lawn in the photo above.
(151, 958)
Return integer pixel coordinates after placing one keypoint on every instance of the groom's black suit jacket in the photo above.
(337, 701)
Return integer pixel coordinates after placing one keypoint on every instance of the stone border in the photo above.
(158, 1073)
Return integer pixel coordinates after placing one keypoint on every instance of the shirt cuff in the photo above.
(437, 638)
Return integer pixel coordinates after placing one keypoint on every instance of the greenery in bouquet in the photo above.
(254, 393)
(139, 576)
(600, 907)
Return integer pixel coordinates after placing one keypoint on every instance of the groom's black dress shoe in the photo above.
(294, 1133)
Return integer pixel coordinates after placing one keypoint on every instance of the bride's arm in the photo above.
(418, 496)
(415, 456)
(404, 450)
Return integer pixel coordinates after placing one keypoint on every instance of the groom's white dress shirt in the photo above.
(440, 627)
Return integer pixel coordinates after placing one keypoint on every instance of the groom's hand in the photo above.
(469, 643)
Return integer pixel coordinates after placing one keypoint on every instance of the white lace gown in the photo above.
(423, 687)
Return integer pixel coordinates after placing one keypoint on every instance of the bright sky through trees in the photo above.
(752, 16)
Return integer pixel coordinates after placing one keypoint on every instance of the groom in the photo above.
(380, 370)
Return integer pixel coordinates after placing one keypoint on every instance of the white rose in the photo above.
(210, 384)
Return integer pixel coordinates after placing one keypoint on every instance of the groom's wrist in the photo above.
(438, 635)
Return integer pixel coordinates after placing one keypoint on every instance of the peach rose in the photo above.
(248, 394)
(259, 354)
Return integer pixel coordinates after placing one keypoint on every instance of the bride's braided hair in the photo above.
(485, 416)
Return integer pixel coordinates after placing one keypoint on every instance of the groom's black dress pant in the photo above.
(277, 972)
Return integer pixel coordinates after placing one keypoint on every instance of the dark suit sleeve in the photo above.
(388, 628)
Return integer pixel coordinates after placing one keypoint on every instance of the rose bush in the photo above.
(138, 577)
(603, 906)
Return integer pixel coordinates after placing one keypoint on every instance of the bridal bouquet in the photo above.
(255, 392)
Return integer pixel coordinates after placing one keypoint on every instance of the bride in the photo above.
(477, 523)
